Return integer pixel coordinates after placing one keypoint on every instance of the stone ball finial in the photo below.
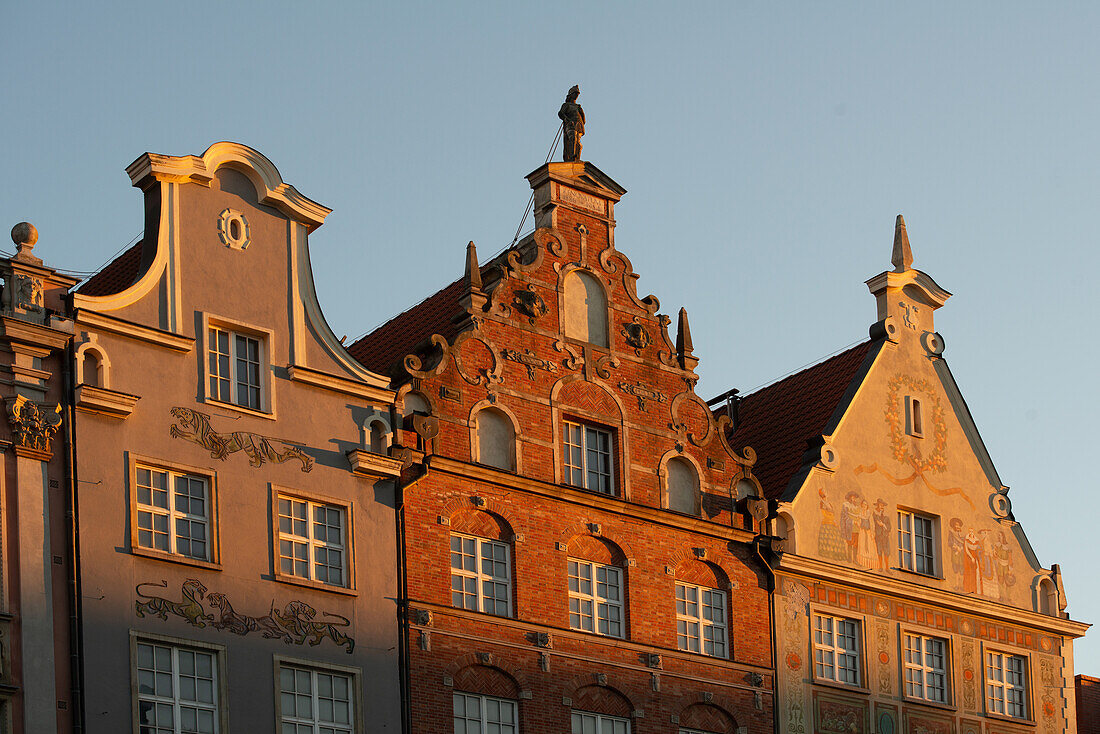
(24, 234)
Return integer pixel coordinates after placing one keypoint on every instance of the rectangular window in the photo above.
(1006, 684)
(313, 541)
(926, 668)
(481, 575)
(595, 598)
(914, 420)
(837, 649)
(177, 690)
(173, 512)
(586, 723)
(478, 714)
(587, 457)
(701, 620)
(916, 542)
(234, 368)
(315, 701)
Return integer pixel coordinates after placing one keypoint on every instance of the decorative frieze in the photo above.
(528, 359)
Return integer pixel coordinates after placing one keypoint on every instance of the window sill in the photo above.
(596, 634)
(318, 585)
(239, 408)
(1010, 719)
(484, 614)
(701, 654)
(842, 686)
(918, 574)
(174, 558)
(930, 704)
(579, 488)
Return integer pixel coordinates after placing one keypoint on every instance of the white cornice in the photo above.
(270, 187)
(917, 594)
(891, 280)
(122, 327)
(325, 381)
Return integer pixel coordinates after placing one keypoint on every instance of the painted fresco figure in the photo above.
(972, 562)
(955, 545)
(572, 117)
(866, 536)
(988, 585)
(1002, 555)
(883, 530)
(829, 541)
(849, 525)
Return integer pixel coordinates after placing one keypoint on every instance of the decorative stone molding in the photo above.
(376, 466)
(233, 229)
(113, 403)
(31, 427)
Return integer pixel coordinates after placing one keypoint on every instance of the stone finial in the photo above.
(473, 270)
(25, 236)
(683, 342)
(903, 254)
(473, 299)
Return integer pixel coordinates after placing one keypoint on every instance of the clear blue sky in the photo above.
(766, 149)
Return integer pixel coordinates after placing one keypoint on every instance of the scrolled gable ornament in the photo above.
(904, 450)
(31, 426)
(637, 336)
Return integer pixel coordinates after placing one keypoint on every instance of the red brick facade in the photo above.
(514, 353)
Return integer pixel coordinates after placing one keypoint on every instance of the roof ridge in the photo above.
(798, 371)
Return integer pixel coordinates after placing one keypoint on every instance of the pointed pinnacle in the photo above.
(683, 334)
(903, 254)
(473, 271)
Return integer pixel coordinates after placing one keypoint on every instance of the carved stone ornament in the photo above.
(233, 229)
(28, 293)
(529, 303)
(643, 392)
(296, 623)
(528, 359)
(31, 426)
(636, 336)
(195, 427)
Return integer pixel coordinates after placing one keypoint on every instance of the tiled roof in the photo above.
(776, 421)
(387, 345)
(118, 275)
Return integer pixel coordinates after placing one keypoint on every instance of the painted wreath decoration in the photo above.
(906, 451)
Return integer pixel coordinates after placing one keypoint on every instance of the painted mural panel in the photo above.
(835, 713)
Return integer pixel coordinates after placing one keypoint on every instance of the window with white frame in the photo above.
(315, 701)
(235, 368)
(701, 619)
(475, 714)
(481, 575)
(1006, 684)
(587, 457)
(917, 542)
(914, 420)
(595, 598)
(173, 512)
(177, 690)
(926, 668)
(586, 723)
(837, 649)
(313, 541)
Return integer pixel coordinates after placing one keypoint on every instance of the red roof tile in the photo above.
(776, 421)
(117, 276)
(387, 345)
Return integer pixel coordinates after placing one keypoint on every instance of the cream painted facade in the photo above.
(210, 372)
(900, 465)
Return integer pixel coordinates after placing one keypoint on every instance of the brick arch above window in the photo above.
(588, 399)
(702, 573)
(606, 699)
(460, 503)
(609, 535)
(498, 664)
(482, 524)
(708, 717)
(715, 563)
(487, 680)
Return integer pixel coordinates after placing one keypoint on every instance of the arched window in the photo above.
(585, 309)
(683, 486)
(379, 437)
(90, 369)
(1048, 598)
(783, 528)
(496, 439)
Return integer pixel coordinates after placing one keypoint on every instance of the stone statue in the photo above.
(572, 116)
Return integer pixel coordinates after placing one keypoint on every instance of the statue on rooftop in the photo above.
(572, 117)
